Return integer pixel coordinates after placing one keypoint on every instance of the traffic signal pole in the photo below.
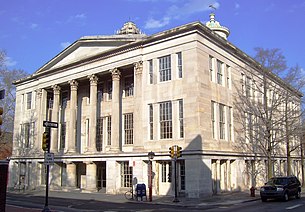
(46, 205)
(175, 153)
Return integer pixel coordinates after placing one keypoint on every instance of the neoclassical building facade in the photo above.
(116, 98)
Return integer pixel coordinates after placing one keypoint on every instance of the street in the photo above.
(36, 203)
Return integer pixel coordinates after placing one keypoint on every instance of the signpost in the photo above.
(48, 159)
(50, 124)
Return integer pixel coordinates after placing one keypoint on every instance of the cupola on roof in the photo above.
(129, 28)
(215, 26)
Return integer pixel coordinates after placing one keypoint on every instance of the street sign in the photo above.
(50, 124)
(49, 158)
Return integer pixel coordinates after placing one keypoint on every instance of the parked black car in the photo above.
(281, 188)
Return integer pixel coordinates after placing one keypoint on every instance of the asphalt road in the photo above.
(36, 203)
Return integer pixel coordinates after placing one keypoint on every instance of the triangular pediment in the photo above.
(87, 47)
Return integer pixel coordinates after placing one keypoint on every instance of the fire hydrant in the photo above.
(252, 191)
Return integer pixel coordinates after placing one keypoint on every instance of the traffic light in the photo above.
(46, 141)
(179, 151)
(172, 152)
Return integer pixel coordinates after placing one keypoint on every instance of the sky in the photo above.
(32, 32)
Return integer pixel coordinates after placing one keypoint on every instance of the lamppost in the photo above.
(151, 156)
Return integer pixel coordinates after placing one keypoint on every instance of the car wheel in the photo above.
(286, 197)
(264, 199)
(298, 195)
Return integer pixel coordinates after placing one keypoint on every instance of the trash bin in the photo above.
(141, 191)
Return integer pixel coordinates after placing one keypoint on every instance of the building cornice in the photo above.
(146, 40)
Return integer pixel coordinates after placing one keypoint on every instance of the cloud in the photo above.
(33, 26)
(237, 6)
(64, 45)
(152, 23)
(79, 19)
(9, 62)
(175, 12)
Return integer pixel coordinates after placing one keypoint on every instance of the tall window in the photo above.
(166, 171)
(63, 135)
(213, 119)
(211, 68)
(151, 71)
(179, 55)
(100, 92)
(230, 125)
(99, 132)
(219, 72)
(126, 174)
(128, 128)
(50, 100)
(181, 128)
(64, 99)
(26, 134)
(221, 121)
(165, 68)
(151, 122)
(109, 89)
(29, 100)
(166, 120)
(182, 174)
(108, 130)
(248, 87)
(128, 86)
(229, 76)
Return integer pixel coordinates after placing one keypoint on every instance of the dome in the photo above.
(129, 28)
(215, 26)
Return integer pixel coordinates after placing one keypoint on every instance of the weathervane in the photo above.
(212, 6)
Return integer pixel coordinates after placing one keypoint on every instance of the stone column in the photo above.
(228, 175)
(72, 118)
(116, 111)
(218, 176)
(39, 129)
(138, 126)
(71, 175)
(93, 113)
(91, 176)
(55, 113)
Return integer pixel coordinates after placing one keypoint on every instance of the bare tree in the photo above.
(268, 109)
(8, 103)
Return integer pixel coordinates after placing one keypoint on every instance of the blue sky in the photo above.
(32, 32)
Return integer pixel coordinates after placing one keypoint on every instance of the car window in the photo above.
(277, 181)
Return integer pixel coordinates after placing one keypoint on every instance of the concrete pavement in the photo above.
(220, 199)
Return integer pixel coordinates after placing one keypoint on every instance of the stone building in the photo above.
(116, 98)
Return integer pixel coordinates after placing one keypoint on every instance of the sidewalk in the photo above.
(220, 199)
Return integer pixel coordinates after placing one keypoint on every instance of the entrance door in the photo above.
(101, 175)
(165, 177)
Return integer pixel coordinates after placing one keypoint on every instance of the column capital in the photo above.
(56, 89)
(39, 93)
(73, 84)
(93, 79)
(116, 74)
(138, 66)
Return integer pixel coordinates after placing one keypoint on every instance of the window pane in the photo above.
(128, 128)
(179, 64)
(166, 120)
(165, 68)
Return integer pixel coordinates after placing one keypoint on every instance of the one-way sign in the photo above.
(50, 124)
